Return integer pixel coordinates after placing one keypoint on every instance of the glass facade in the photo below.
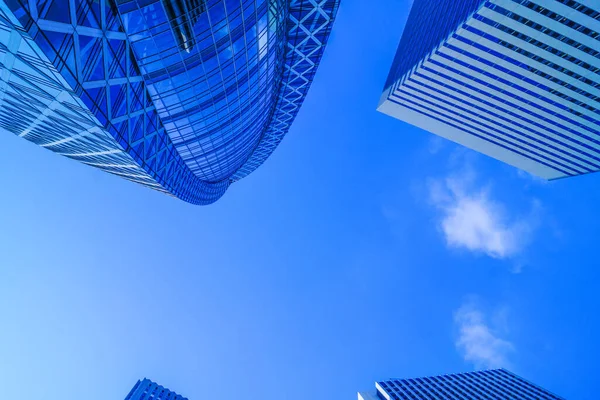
(490, 384)
(148, 390)
(420, 35)
(517, 80)
(189, 95)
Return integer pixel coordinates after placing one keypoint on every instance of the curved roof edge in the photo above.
(309, 26)
(131, 133)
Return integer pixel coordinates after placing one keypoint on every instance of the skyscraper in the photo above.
(518, 80)
(148, 390)
(491, 384)
(183, 96)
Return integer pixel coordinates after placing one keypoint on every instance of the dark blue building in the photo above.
(490, 384)
(148, 390)
(183, 96)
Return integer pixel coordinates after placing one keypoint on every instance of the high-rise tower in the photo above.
(148, 390)
(518, 80)
(183, 96)
(491, 384)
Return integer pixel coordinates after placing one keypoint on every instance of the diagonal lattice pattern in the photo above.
(194, 94)
(37, 104)
(86, 44)
(214, 96)
(309, 25)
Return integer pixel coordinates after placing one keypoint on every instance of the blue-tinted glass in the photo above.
(192, 94)
(490, 384)
(429, 22)
(146, 390)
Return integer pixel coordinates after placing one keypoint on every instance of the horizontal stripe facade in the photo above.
(490, 384)
(518, 80)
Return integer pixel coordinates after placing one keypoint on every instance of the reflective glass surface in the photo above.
(429, 23)
(215, 97)
(196, 93)
(37, 104)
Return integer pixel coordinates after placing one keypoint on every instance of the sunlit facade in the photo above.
(490, 384)
(148, 390)
(518, 80)
(183, 96)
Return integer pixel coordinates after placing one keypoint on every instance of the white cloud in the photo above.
(436, 144)
(531, 178)
(472, 220)
(479, 343)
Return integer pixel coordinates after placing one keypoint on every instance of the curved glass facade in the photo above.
(195, 94)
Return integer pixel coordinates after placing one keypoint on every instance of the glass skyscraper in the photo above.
(183, 96)
(148, 390)
(490, 384)
(518, 80)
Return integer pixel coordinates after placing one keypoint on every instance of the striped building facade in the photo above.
(490, 384)
(148, 390)
(518, 80)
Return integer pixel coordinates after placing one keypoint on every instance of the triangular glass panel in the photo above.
(150, 147)
(133, 68)
(138, 151)
(148, 100)
(151, 163)
(90, 53)
(169, 169)
(123, 130)
(97, 73)
(115, 133)
(69, 58)
(122, 142)
(162, 158)
(55, 10)
(137, 129)
(113, 23)
(98, 96)
(58, 42)
(151, 121)
(116, 64)
(86, 15)
(118, 100)
(110, 59)
(134, 95)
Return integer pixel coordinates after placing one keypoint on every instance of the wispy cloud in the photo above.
(477, 341)
(436, 144)
(471, 219)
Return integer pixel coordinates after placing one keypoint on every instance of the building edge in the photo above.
(173, 178)
(309, 23)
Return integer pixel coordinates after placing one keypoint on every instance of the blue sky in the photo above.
(363, 249)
